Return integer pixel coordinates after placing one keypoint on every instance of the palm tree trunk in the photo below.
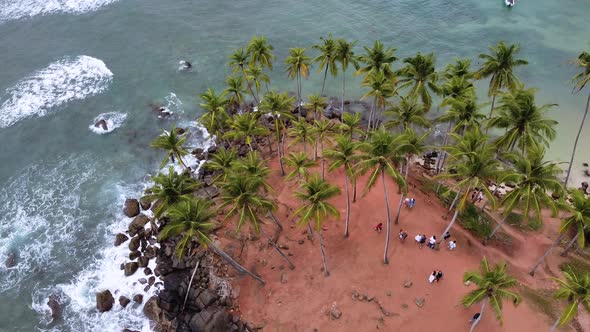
(310, 231)
(569, 168)
(388, 228)
(278, 132)
(491, 111)
(496, 229)
(347, 205)
(532, 273)
(234, 264)
(325, 76)
(475, 322)
(483, 207)
(315, 152)
(326, 272)
(449, 226)
(570, 245)
(269, 146)
(275, 220)
(188, 289)
(249, 86)
(439, 161)
(353, 189)
(454, 202)
(272, 243)
(323, 160)
(370, 117)
(554, 325)
(343, 90)
(399, 208)
(299, 94)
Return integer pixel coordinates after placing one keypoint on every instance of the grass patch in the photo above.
(578, 266)
(517, 220)
(478, 223)
(542, 300)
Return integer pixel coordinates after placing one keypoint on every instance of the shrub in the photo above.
(479, 224)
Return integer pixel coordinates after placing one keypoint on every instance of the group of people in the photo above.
(410, 202)
(436, 275)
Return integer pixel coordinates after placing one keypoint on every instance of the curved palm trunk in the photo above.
(554, 325)
(323, 160)
(569, 168)
(475, 322)
(496, 229)
(269, 146)
(179, 157)
(325, 76)
(272, 243)
(275, 220)
(343, 91)
(326, 272)
(401, 199)
(370, 118)
(278, 132)
(347, 205)
(299, 94)
(249, 86)
(570, 245)
(235, 264)
(388, 227)
(189, 284)
(353, 189)
(315, 151)
(442, 157)
(491, 111)
(453, 203)
(310, 231)
(532, 273)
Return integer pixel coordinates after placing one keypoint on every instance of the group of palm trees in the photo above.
(397, 128)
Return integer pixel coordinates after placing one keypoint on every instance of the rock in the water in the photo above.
(124, 301)
(585, 185)
(151, 309)
(420, 301)
(102, 124)
(104, 301)
(53, 304)
(151, 280)
(408, 283)
(212, 319)
(134, 243)
(145, 203)
(131, 208)
(120, 238)
(10, 260)
(138, 298)
(335, 313)
(147, 271)
(134, 254)
(138, 223)
(130, 268)
(585, 164)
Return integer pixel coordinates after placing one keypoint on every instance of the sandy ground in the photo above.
(303, 301)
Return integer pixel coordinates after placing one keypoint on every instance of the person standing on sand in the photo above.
(379, 227)
(475, 317)
(402, 235)
(452, 245)
(432, 277)
(439, 275)
(446, 236)
(422, 240)
(432, 242)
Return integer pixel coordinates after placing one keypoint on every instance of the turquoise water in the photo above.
(61, 184)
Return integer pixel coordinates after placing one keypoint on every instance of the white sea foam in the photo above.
(17, 9)
(113, 120)
(62, 81)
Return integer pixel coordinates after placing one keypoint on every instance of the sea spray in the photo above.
(18, 9)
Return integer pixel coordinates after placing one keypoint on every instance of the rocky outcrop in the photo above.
(131, 208)
(130, 268)
(120, 239)
(138, 223)
(145, 203)
(102, 124)
(212, 319)
(124, 301)
(104, 301)
(55, 307)
(10, 260)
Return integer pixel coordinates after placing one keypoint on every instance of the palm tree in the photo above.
(255, 74)
(246, 126)
(327, 57)
(419, 73)
(301, 132)
(525, 123)
(377, 59)
(260, 52)
(350, 124)
(315, 194)
(278, 105)
(575, 290)
(173, 143)
(238, 61)
(170, 189)
(580, 81)
(579, 221)
(461, 68)
(221, 162)
(345, 55)
(457, 88)
(499, 67)
(235, 89)
(316, 105)
(215, 117)
(322, 129)
(494, 285)
(298, 64)
(406, 113)
(464, 114)
(300, 164)
(381, 155)
(344, 155)
(381, 88)
(193, 220)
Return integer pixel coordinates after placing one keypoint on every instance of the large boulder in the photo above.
(10, 260)
(120, 238)
(130, 268)
(138, 223)
(138, 298)
(104, 301)
(212, 319)
(131, 208)
(124, 301)
(205, 299)
(151, 309)
(134, 243)
(169, 301)
(55, 306)
(145, 203)
(102, 124)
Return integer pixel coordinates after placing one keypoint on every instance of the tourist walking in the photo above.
(402, 235)
(379, 227)
(432, 277)
(439, 275)
(432, 242)
(452, 245)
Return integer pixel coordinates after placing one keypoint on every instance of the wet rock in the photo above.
(10, 260)
(151, 309)
(145, 203)
(205, 299)
(142, 281)
(120, 238)
(138, 298)
(335, 313)
(147, 271)
(130, 268)
(101, 124)
(420, 301)
(138, 223)
(587, 173)
(55, 306)
(134, 244)
(134, 254)
(584, 186)
(143, 261)
(104, 301)
(150, 252)
(151, 280)
(131, 208)
(124, 301)
(408, 283)
(212, 319)
(179, 131)
(168, 300)
(128, 330)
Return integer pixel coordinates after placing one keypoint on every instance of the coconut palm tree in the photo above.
(457, 88)
(221, 163)
(350, 124)
(420, 75)
(192, 219)
(461, 68)
(260, 52)
(301, 132)
(526, 124)
(327, 58)
(499, 66)
(300, 164)
(344, 155)
(315, 194)
(406, 113)
(238, 61)
(377, 59)
(575, 289)
(256, 76)
(246, 126)
(235, 90)
(278, 105)
(323, 130)
(493, 286)
(380, 158)
(316, 105)
(172, 143)
(169, 189)
(580, 81)
(298, 64)
(345, 55)
(215, 116)
(579, 221)
(380, 89)
(464, 114)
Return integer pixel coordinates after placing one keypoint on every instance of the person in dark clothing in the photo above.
(379, 227)
(447, 236)
(439, 275)
(475, 317)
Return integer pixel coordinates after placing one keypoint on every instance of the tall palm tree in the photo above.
(323, 130)
(464, 114)
(278, 105)
(193, 220)
(172, 143)
(298, 64)
(457, 88)
(499, 66)
(327, 58)
(406, 113)
(238, 61)
(300, 163)
(420, 75)
(256, 76)
(316, 105)
(246, 126)
(580, 81)
(221, 163)
(461, 68)
(381, 155)
(260, 52)
(315, 194)
(253, 166)
(377, 59)
(526, 124)
(345, 55)
(169, 189)
(579, 221)
(301, 132)
(350, 124)
(215, 116)
(235, 90)
(494, 286)
(344, 155)
(575, 289)
(380, 88)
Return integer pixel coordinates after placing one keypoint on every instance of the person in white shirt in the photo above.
(452, 245)
(432, 242)
(432, 277)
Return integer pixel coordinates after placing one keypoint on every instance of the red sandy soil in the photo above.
(356, 265)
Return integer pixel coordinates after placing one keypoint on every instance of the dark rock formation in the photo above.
(10, 260)
(101, 124)
(138, 298)
(55, 306)
(104, 301)
(131, 208)
(212, 319)
(151, 309)
(120, 238)
(130, 268)
(138, 223)
(145, 203)
(134, 254)
(134, 243)
(124, 301)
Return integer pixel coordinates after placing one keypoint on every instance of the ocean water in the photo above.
(68, 63)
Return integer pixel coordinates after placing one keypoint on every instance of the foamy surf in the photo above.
(112, 120)
(18, 9)
(62, 81)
